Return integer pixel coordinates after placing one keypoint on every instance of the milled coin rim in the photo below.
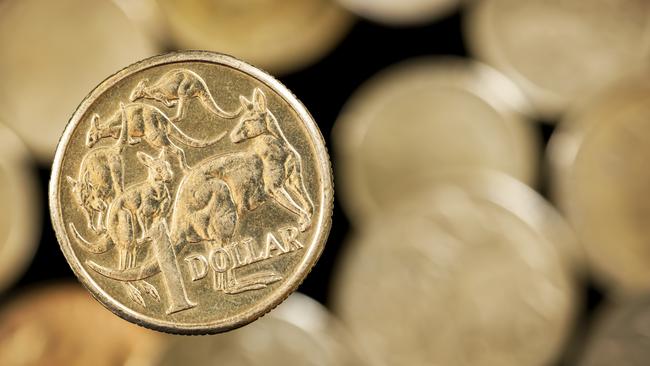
(296, 277)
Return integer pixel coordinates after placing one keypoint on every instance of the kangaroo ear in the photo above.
(93, 121)
(247, 104)
(144, 158)
(260, 100)
(72, 182)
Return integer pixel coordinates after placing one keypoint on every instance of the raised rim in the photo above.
(288, 286)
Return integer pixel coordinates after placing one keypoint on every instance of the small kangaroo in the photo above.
(148, 123)
(175, 88)
(101, 179)
(281, 163)
(130, 216)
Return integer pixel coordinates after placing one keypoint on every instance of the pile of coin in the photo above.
(482, 193)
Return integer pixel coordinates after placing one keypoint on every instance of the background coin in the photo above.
(20, 220)
(210, 193)
(560, 50)
(598, 155)
(622, 335)
(453, 279)
(60, 324)
(409, 124)
(400, 12)
(299, 332)
(279, 36)
(53, 53)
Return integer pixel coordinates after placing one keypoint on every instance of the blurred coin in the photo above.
(299, 332)
(61, 325)
(20, 218)
(147, 15)
(53, 53)
(276, 35)
(558, 50)
(621, 336)
(415, 120)
(451, 278)
(599, 155)
(401, 12)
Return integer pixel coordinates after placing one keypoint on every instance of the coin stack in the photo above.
(489, 157)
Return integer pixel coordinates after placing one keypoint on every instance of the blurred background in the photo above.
(491, 166)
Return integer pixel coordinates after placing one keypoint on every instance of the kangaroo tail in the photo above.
(209, 103)
(181, 137)
(146, 270)
(102, 245)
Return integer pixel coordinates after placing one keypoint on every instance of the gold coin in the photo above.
(53, 53)
(422, 117)
(191, 193)
(559, 50)
(404, 12)
(600, 175)
(451, 278)
(279, 36)
(621, 335)
(20, 220)
(60, 325)
(299, 332)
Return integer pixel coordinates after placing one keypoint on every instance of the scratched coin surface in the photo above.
(299, 332)
(191, 193)
(454, 279)
(278, 36)
(621, 335)
(61, 325)
(599, 155)
(560, 50)
(20, 222)
(412, 122)
(53, 54)
(404, 12)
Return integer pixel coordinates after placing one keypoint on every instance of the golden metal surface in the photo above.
(60, 325)
(53, 53)
(299, 332)
(560, 50)
(20, 220)
(403, 12)
(463, 280)
(191, 193)
(409, 124)
(621, 335)
(599, 158)
(279, 36)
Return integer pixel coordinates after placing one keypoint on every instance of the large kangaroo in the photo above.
(175, 88)
(148, 123)
(281, 163)
(130, 216)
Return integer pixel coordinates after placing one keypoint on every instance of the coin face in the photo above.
(299, 332)
(454, 279)
(621, 335)
(560, 50)
(191, 193)
(53, 54)
(409, 124)
(20, 223)
(400, 12)
(60, 325)
(600, 176)
(279, 36)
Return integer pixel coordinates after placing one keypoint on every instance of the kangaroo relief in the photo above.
(175, 88)
(145, 122)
